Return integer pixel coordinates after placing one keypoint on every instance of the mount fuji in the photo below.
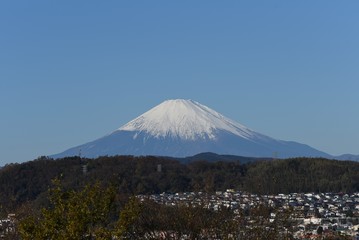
(180, 128)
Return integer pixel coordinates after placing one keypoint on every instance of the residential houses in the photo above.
(314, 214)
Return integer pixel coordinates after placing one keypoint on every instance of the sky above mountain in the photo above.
(71, 71)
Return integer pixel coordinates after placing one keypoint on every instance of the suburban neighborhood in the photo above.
(313, 215)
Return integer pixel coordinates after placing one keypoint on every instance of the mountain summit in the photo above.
(186, 120)
(181, 128)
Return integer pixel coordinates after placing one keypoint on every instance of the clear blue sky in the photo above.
(73, 71)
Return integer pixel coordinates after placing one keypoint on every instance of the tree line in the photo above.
(29, 182)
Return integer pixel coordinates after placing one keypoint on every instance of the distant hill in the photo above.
(349, 157)
(213, 157)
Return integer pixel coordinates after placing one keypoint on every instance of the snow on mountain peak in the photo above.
(185, 119)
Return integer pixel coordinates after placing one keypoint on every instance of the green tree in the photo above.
(129, 216)
(85, 214)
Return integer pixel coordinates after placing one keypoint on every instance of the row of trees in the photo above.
(302, 175)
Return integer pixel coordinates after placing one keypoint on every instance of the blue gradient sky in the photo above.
(73, 71)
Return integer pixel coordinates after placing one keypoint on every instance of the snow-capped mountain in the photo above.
(186, 120)
(180, 128)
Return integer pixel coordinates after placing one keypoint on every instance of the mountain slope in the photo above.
(348, 157)
(181, 128)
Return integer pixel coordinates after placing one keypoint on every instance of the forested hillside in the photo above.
(29, 182)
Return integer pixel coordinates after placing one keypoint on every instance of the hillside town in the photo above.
(314, 215)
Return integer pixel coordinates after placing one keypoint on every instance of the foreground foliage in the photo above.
(95, 213)
(73, 215)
